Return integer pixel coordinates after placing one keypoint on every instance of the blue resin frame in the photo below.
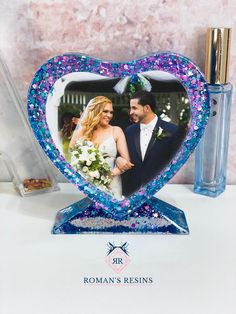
(181, 67)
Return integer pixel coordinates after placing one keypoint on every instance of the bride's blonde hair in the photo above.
(92, 116)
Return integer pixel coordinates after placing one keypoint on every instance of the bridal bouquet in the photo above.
(88, 160)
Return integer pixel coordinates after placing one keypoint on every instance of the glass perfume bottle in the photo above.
(212, 151)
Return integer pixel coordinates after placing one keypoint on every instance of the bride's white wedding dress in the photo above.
(109, 147)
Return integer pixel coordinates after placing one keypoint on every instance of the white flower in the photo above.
(85, 169)
(92, 157)
(160, 130)
(84, 156)
(80, 143)
(88, 162)
(94, 174)
(74, 152)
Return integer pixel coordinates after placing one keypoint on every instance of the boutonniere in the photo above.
(160, 134)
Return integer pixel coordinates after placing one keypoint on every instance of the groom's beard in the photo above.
(137, 119)
(134, 120)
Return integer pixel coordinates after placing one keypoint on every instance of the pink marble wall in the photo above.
(33, 31)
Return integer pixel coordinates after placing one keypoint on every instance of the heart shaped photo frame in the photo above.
(61, 72)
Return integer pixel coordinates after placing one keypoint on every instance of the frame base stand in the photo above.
(154, 216)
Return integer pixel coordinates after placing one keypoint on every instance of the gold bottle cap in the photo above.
(217, 55)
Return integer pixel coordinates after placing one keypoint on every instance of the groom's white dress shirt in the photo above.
(146, 134)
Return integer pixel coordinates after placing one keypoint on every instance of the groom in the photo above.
(152, 142)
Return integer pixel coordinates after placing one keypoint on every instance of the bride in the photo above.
(95, 127)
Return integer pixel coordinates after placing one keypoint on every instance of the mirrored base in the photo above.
(154, 216)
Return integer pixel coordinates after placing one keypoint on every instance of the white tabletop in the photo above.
(41, 273)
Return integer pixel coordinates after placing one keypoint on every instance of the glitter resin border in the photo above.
(181, 67)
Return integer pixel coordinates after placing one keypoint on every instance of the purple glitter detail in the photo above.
(181, 67)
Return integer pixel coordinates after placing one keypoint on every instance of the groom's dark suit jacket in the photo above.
(159, 153)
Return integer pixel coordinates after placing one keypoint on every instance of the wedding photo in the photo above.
(120, 133)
